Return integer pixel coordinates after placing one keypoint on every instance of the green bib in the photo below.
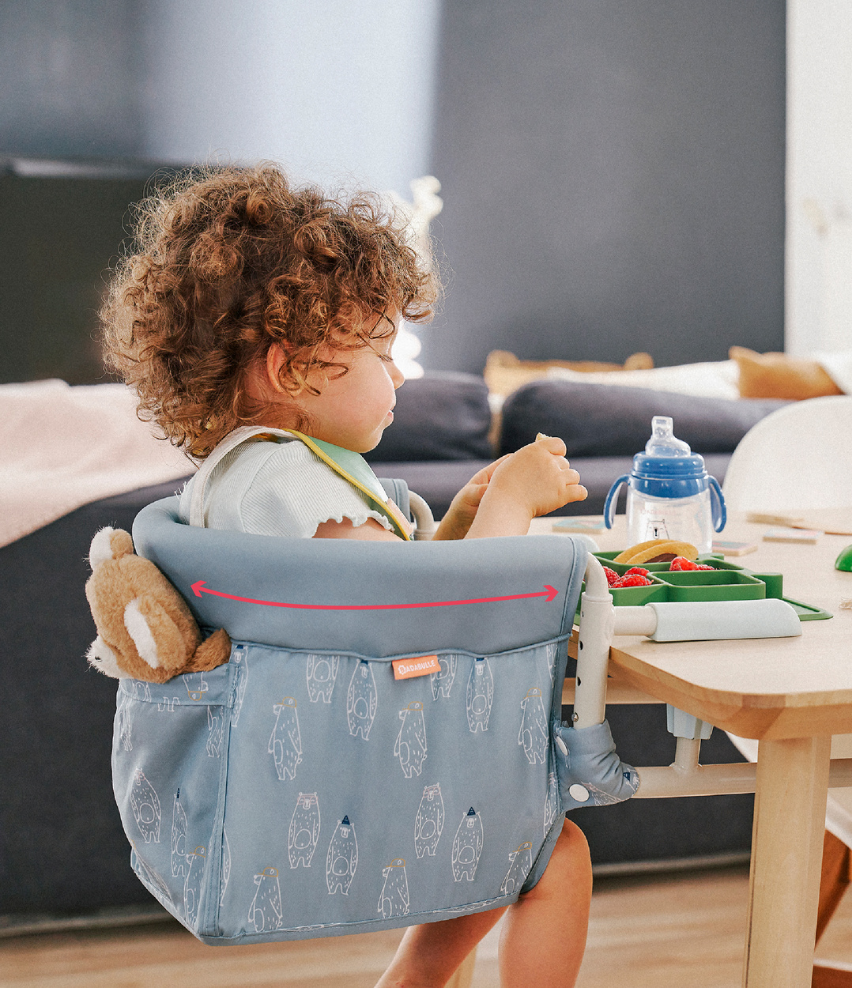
(354, 468)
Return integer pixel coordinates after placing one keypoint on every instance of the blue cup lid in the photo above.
(668, 467)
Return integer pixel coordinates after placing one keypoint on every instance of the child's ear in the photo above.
(275, 358)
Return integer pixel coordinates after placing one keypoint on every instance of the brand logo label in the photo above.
(423, 665)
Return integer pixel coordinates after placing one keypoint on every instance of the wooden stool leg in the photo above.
(831, 977)
(463, 977)
(834, 879)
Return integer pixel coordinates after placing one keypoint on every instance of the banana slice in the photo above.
(657, 551)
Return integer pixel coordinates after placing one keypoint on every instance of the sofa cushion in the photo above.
(440, 416)
(607, 420)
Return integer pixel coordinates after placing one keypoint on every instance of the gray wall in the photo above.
(69, 78)
(341, 95)
(612, 170)
(613, 178)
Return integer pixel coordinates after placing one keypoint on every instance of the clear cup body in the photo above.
(686, 519)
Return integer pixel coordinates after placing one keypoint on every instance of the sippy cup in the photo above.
(669, 493)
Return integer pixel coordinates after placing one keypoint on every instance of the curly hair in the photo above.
(230, 261)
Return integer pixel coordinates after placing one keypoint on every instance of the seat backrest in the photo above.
(379, 598)
(310, 740)
(797, 458)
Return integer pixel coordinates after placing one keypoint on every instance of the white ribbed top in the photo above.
(278, 488)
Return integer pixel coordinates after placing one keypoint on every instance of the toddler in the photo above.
(256, 323)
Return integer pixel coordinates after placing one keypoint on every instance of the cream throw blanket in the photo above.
(62, 447)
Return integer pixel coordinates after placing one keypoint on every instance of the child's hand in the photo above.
(461, 512)
(539, 477)
(534, 481)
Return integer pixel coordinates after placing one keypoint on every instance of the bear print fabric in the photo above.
(300, 790)
(293, 794)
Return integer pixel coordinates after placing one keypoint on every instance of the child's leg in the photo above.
(544, 933)
(429, 954)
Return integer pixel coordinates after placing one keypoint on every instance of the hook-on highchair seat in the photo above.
(302, 789)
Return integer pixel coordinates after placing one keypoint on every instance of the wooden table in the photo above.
(792, 694)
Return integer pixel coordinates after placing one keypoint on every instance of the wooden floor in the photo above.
(675, 930)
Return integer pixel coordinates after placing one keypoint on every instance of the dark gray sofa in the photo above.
(62, 850)
(440, 434)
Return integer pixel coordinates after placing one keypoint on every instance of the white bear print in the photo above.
(480, 694)
(226, 867)
(142, 690)
(361, 701)
(285, 743)
(520, 867)
(533, 732)
(265, 913)
(342, 858)
(429, 823)
(304, 830)
(240, 660)
(550, 801)
(467, 846)
(321, 672)
(550, 658)
(196, 685)
(145, 804)
(410, 745)
(215, 730)
(442, 682)
(192, 887)
(179, 862)
(124, 721)
(394, 898)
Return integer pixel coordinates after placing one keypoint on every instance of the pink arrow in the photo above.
(549, 593)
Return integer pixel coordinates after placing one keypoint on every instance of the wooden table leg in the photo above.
(786, 856)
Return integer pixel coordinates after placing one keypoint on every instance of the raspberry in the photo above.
(679, 564)
(705, 566)
(633, 580)
(611, 576)
(637, 571)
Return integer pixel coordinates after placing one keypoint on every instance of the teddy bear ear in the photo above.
(109, 543)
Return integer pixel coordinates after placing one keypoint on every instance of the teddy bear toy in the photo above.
(145, 629)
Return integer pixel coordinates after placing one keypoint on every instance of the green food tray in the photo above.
(726, 581)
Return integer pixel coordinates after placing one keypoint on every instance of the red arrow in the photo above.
(549, 593)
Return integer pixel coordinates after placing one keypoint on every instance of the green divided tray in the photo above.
(726, 581)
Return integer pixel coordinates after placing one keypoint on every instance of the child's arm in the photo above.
(501, 499)
(370, 531)
(534, 481)
(459, 517)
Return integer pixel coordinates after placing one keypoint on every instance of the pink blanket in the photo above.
(62, 447)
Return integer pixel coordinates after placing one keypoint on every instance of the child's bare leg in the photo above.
(429, 954)
(544, 933)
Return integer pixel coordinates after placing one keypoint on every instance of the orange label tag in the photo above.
(423, 665)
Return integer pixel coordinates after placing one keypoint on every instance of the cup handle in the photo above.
(612, 500)
(717, 501)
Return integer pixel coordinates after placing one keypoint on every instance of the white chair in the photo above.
(797, 459)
